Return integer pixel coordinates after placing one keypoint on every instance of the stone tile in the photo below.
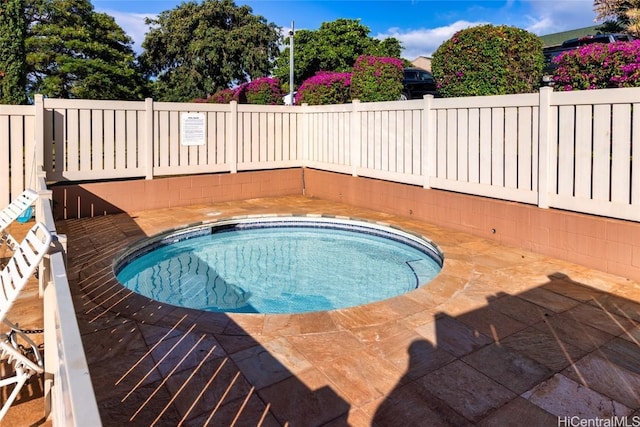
(234, 343)
(513, 370)
(549, 300)
(619, 306)
(250, 411)
(356, 417)
(360, 376)
(452, 336)
(324, 348)
(562, 284)
(632, 334)
(412, 355)
(544, 348)
(515, 412)
(410, 404)
(315, 322)
(305, 400)
(466, 390)
(491, 323)
(271, 362)
(147, 405)
(622, 353)
(394, 331)
(519, 309)
(154, 334)
(564, 397)
(570, 331)
(212, 323)
(601, 319)
(210, 384)
(185, 351)
(282, 324)
(604, 376)
(369, 314)
(134, 368)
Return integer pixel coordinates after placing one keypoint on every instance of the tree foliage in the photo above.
(75, 52)
(335, 46)
(377, 78)
(618, 15)
(12, 52)
(198, 48)
(488, 60)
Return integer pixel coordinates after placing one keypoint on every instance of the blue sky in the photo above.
(421, 25)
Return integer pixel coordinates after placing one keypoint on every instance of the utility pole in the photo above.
(291, 83)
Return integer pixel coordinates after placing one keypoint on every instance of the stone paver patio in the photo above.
(501, 337)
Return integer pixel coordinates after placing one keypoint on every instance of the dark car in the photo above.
(417, 83)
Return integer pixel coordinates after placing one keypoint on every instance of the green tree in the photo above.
(75, 52)
(618, 15)
(488, 60)
(198, 48)
(12, 52)
(333, 47)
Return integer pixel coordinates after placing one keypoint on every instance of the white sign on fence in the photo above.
(192, 128)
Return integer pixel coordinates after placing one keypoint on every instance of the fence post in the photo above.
(544, 117)
(428, 141)
(149, 137)
(232, 137)
(305, 134)
(38, 160)
(356, 137)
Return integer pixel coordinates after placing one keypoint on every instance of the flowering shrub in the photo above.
(599, 66)
(223, 96)
(376, 79)
(488, 60)
(264, 91)
(325, 88)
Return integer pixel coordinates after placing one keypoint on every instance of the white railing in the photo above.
(68, 392)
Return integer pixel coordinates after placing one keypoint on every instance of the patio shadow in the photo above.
(562, 349)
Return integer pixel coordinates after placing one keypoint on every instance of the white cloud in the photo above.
(547, 17)
(132, 24)
(424, 41)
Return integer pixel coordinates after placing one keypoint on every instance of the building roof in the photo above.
(556, 39)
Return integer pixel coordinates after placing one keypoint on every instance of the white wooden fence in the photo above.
(569, 150)
(572, 150)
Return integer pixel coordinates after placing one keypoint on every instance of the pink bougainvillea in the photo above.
(599, 66)
(325, 88)
(376, 78)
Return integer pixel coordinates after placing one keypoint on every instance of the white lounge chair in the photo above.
(13, 277)
(12, 212)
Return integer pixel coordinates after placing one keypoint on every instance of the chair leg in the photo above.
(19, 380)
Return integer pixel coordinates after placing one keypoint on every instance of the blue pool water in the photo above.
(279, 266)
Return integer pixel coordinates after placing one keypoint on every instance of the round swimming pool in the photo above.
(278, 264)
